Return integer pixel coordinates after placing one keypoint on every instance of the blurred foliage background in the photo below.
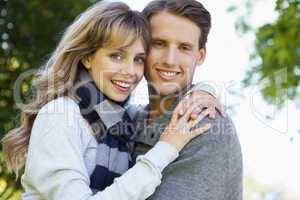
(275, 60)
(29, 31)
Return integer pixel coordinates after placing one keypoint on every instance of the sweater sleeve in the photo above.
(55, 168)
(201, 86)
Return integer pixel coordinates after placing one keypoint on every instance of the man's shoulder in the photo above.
(221, 127)
(208, 167)
(221, 136)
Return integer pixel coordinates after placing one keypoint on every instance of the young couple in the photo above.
(80, 137)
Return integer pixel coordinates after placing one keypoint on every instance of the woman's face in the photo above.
(117, 71)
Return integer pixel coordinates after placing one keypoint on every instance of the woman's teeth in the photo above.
(122, 84)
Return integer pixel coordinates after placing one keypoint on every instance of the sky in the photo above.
(268, 152)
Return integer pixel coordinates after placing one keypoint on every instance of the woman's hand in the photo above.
(178, 133)
(202, 100)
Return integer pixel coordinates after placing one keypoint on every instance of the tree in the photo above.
(275, 61)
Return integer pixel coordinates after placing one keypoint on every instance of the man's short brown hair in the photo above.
(190, 9)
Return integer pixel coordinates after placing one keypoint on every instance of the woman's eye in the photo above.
(116, 56)
(140, 61)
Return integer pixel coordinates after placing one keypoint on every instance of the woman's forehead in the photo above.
(124, 40)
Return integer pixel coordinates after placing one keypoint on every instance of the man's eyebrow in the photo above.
(183, 43)
(188, 44)
(157, 38)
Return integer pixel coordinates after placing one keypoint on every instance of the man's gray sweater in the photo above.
(208, 168)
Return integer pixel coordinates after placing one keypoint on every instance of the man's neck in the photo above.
(160, 104)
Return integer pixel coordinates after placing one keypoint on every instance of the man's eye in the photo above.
(116, 56)
(157, 43)
(185, 48)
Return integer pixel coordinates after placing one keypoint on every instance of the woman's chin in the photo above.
(118, 97)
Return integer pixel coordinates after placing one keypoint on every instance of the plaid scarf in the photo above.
(114, 128)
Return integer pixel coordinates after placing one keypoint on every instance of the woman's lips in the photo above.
(122, 86)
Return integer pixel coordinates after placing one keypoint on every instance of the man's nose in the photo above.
(171, 56)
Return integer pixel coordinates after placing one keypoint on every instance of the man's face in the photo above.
(174, 53)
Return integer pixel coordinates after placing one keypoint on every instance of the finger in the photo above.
(200, 130)
(175, 116)
(200, 117)
(221, 109)
(199, 106)
(212, 112)
(178, 110)
(186, 103)
(188, 113)
(196, 112)
(181, 107)
(184, 108)
(204, 102)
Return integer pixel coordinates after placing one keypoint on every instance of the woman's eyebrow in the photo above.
(125, 50)
(141, 54)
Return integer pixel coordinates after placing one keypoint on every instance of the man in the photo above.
(210, 167)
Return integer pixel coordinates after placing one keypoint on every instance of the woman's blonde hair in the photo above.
(102, 25)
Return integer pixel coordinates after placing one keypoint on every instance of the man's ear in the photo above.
(86, 61)
(202, 56)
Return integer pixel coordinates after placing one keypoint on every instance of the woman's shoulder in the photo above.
(60, 105)
(61, 118)
(60, 113)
